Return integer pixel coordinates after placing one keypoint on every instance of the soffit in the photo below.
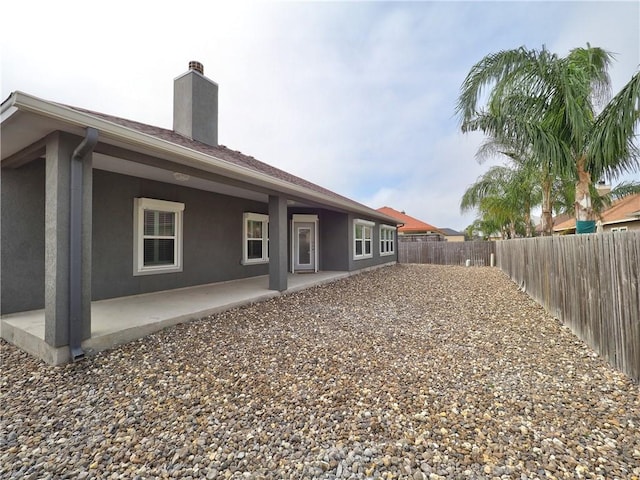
(134, 169)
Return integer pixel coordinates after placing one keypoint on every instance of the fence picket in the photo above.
(446, 253)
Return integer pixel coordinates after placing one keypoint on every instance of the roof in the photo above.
(557, 221)
(411, 224)
(26, 119)
(220, 151)
(626, 209)
(450, 232)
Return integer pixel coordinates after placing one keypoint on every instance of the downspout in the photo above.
(75, 243)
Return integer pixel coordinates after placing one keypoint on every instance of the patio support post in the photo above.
(277, 243)
(57, 289)
(56, 233)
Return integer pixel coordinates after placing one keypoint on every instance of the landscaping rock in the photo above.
(410, 371)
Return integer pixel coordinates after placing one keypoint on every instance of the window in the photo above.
(619, 229)
(255, 238)
(362, 239)
(387, 240)
(157, 236)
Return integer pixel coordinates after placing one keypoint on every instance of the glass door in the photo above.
(304, 253)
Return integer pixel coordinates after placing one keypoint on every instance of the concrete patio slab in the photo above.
(121, 320)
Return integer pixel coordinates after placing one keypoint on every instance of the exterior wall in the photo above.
(454, 238)
(22, 228)
(212, 237)
(631, 226)
(376, 259)
(334, 241)
(212, 233)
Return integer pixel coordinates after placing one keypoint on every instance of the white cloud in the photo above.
(356, 96)
(433, 191)
(613, 26)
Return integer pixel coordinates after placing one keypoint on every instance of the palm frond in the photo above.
(491, 70)
(624, 189)
(611, 149)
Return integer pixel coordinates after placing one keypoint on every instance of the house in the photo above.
(412, 227)
(623, 215)
(557, 220)
(98, 207)
(451, 235)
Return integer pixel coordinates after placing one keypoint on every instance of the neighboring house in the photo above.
(623, 215)
(557, 220)
(451, 235)
(95, 206)
(411, 226)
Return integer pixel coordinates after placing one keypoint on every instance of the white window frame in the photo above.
(387, 245)
(139, 207)
(619, 229)
(366, 226)
(255, 217)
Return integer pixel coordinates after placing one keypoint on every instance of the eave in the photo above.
(76, 122)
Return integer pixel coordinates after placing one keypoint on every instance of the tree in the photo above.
(504, 197)
(504, 142)
(545, 107)
(483, 229)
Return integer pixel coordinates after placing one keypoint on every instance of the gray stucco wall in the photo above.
(212, 229)
(212, 232)
(334, 241)
(376, 259)
(22, 229)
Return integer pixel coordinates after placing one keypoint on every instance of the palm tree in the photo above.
(502, 141)
(484, 228)
(504, 196)
(545, 105)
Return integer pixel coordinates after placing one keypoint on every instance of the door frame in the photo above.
(297, 218)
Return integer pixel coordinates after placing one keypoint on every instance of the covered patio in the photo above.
(121, 320)
(100, 211)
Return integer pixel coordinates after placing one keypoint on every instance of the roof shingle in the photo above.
(220, 152)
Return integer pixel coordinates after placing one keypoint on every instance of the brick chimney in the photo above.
(195, 105)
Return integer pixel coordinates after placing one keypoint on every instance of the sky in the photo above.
(358, 97)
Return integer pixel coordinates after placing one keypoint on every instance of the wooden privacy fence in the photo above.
(446, 253)
(590, 283)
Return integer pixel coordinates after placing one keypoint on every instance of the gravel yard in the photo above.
(410, 371)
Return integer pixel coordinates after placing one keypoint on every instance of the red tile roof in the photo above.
(411, 224)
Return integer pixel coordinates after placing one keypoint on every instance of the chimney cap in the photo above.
(197, 66)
